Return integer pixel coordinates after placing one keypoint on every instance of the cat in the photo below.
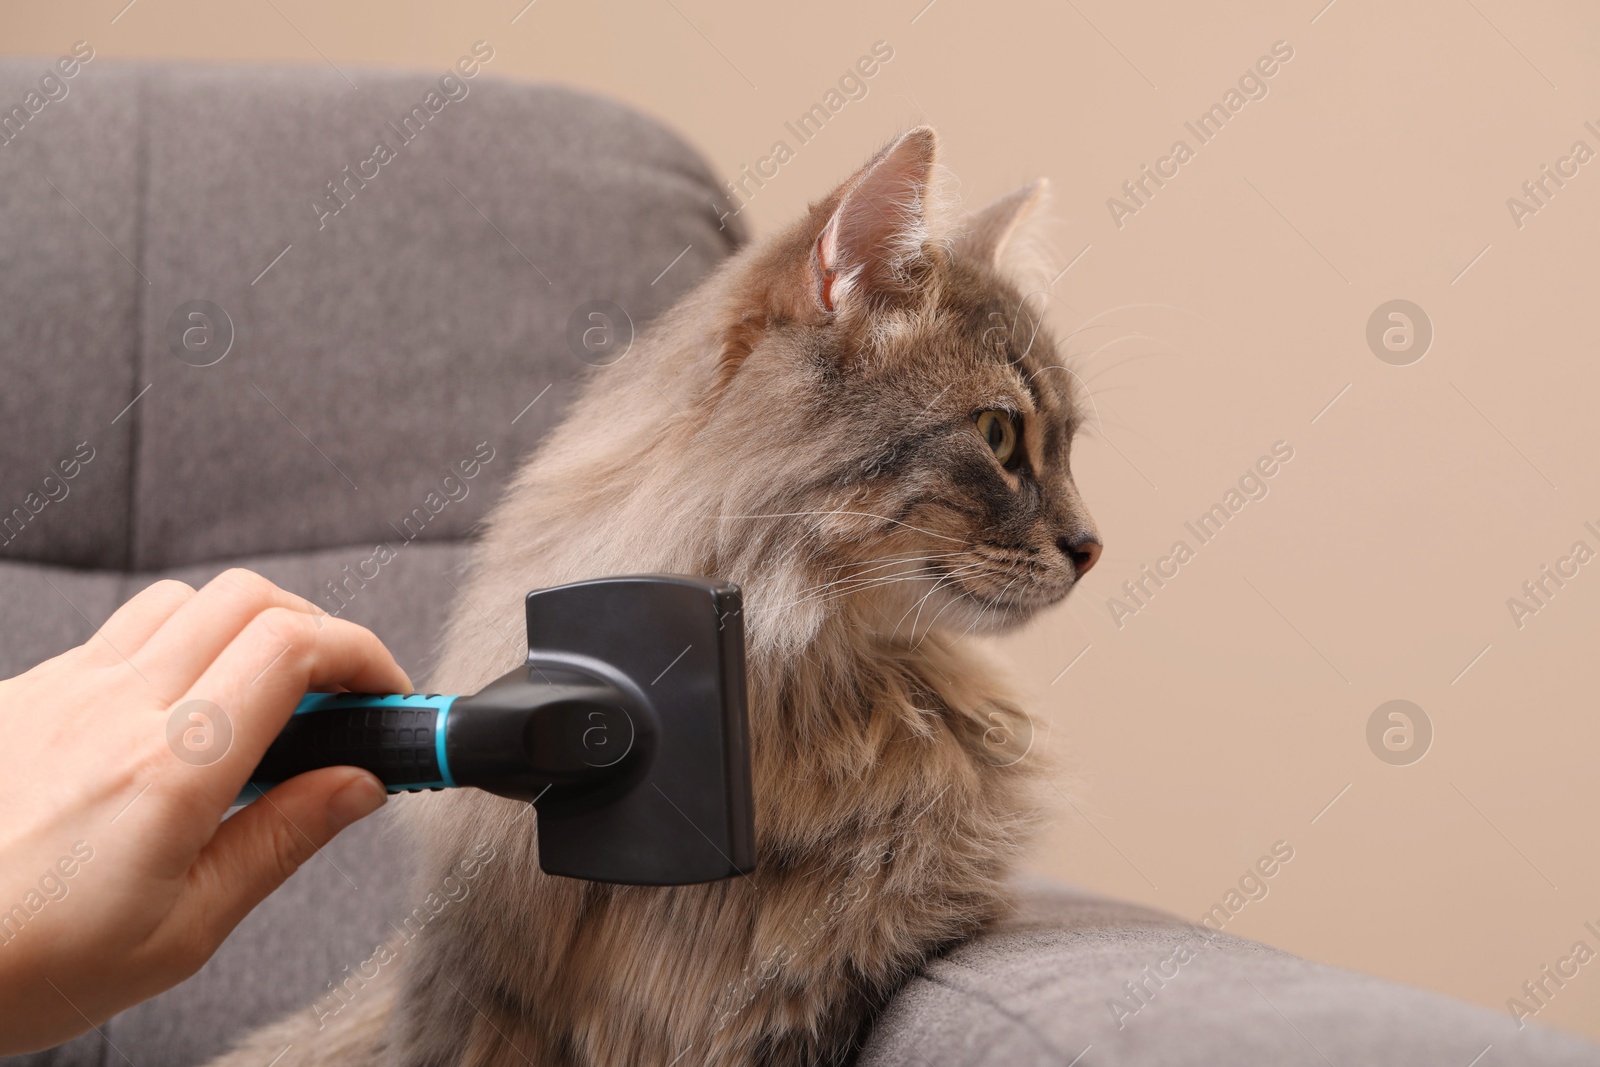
(861, 422)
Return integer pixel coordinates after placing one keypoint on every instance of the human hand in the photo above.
(118, 876)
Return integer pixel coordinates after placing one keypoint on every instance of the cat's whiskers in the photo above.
(824, 593)
(947, 578)
(1038, 320)
(1016, 564)
(857, 582)
(908, 555)
(1089, 394)
(1107, 368)
(825, 596)
(840, 591)
(997, 604)
(920, 575)
(1084, 329)
(889, 564)
(948, 604)
(973, 625)
(903, 557)
(855, 514)
(861, 578)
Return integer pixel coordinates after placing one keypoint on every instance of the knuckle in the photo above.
(172, 587)
(284, 627)
(246, 583)
(287, 847)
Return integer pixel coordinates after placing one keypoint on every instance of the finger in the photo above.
(258, 679)
(131, 625)
(195, 634)
(256, 850)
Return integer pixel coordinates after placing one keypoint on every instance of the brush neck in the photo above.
(539, 733)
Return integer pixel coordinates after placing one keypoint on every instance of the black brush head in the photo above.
(670, 803)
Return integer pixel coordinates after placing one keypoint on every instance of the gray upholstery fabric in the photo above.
(413, 324)
(1038, 990)
(370, 359)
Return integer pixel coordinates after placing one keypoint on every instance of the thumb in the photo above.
(256, 850)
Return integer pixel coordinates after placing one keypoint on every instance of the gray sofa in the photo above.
(372, 348)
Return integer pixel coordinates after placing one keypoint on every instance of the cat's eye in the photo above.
(1002, 432)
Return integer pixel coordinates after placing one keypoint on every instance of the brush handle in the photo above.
(398, 738)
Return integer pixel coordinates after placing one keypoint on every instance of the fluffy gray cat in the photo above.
(860, 422)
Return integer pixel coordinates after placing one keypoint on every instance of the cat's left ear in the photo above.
(993, 228)
(879, 224)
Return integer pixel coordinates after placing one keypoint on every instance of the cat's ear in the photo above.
(878, 225)
(992, 229)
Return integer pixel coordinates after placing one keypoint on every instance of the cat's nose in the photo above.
(1083, 552)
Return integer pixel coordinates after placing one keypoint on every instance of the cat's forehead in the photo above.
(998, 334)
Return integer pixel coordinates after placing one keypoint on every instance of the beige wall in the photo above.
(1228, 312)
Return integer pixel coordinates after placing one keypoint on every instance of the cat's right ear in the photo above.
(878, 224)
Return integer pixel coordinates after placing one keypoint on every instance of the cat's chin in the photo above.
(965, 611)
(990, 616)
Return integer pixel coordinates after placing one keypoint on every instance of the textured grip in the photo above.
(397, 738)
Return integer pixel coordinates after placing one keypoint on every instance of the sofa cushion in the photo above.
(383, 327)
(1071, 978)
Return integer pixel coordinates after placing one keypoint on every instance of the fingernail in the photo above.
(360, 798)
